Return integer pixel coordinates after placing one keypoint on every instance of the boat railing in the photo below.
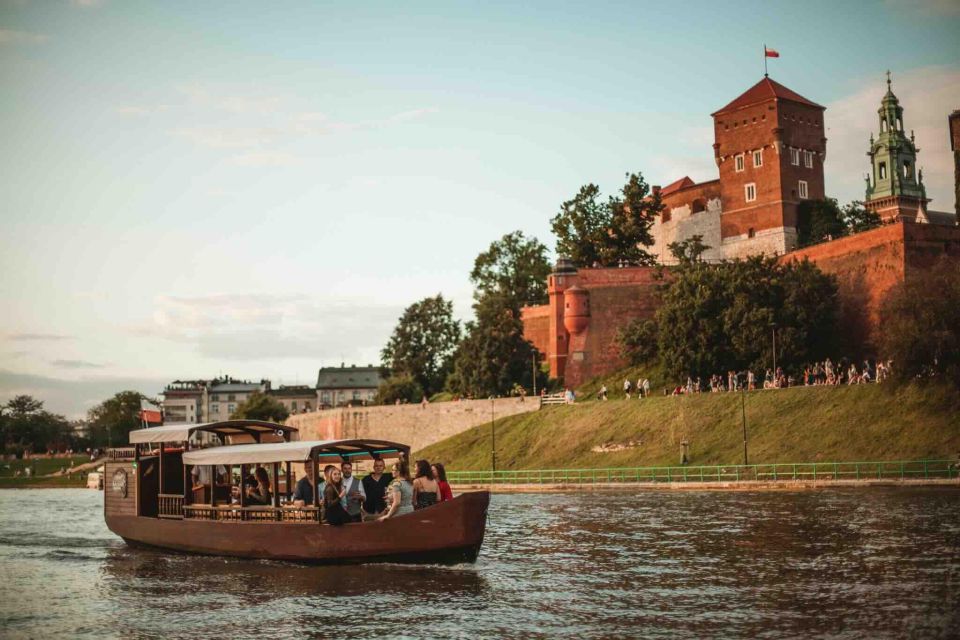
(121, 453)
(235, 513)
(171, 505)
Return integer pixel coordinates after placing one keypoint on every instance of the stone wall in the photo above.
(536, 326)
(409, 424)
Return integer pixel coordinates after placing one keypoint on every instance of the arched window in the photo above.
(883, 125)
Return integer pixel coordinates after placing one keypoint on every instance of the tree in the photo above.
(403, 388)
(822, 220)
(689, 250)
(638, 341)
(423, 342)
(857, 218)
(515, 267)
(112, 420)
(26, 426)
(921, 324)
(260, 406)
(591, 232)
(819, 221)
(714, 318)
(494, 356)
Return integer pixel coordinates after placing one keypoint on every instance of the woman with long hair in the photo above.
(425, 488)
(440, 473)
(399, 494)
(333, 492)
(261, 493)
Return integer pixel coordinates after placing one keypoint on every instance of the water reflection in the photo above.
(883, 563)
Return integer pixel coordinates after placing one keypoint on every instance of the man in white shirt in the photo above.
(355, 495)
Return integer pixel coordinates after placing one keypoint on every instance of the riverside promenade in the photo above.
(789, 476)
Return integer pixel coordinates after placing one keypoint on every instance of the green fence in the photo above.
(897, 470)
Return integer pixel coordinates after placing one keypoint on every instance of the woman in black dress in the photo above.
(333, 492)
(425, 487)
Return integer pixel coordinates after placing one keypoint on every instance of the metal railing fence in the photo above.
(888, 470)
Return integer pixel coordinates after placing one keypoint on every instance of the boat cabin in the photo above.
(196, 472)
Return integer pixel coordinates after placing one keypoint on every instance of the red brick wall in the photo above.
(536, 326)
(762, 127)
(701, 191)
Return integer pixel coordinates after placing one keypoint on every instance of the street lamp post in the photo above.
(743, 415)
(533, 362)
(493, 435)
(773, 331)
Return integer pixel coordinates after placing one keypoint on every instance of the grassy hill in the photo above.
(801, 424)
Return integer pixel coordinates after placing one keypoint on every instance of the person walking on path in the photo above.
(626, 388)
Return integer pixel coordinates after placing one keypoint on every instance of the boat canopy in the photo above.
(326, 450)
(255, 429)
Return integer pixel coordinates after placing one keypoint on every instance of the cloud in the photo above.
(265, 159)
(72, 397)
(135, 110)
(252, 103)
(77, 364)
(88, 4)
(38, 337)
(927, 96)
(228, 138)
(271, 326)
(11, 37)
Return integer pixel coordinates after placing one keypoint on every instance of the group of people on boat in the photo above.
(347, 498)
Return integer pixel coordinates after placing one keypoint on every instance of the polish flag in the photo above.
(770, 53)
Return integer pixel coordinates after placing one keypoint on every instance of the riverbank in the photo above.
(861, 422)
(744, 485)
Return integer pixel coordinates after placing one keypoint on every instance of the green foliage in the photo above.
(720, 317)
(401, 387)
(591, 232)
(921, 324)
(856, 218)
(514, 267)
(111, 421)
(423, 343)
(689, 250)
(25, 426)
(822, 220)
(494, 356)
(637, 341)
(260, 406)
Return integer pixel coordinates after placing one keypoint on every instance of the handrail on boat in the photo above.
(236, 513)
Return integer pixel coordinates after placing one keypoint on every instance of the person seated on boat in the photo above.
(375, 488)
(303, 492)
(440, 473)
(333, 495)
(354, 495)
(260, 494)
(425, 488)
(400, 492)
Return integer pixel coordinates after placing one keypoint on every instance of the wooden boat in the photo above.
(149, 499)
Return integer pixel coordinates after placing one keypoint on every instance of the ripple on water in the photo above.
(879, 562)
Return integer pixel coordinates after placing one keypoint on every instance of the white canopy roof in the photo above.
(327, 450)
(181, 432)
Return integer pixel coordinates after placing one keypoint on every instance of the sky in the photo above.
(258, 189)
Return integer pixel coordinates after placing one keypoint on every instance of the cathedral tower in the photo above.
(895, 185)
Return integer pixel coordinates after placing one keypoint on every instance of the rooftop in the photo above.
(352, 377)
(764, 90)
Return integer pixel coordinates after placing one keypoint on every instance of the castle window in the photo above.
(808, 159)
(698, 205)
(738, 162)
(750, 192)
(803, 189)
(795, 157)
(907, 170)
(751, 233)
(883, 170)
(883, 125)
(758, 158)
(665, 216)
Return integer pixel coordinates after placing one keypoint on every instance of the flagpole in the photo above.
(765, 74)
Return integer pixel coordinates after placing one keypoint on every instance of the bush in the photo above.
(400, 387)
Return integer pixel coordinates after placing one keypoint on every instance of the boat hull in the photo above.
(447, 533)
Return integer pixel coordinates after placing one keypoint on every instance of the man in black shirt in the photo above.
(375, 487)
(303, 493)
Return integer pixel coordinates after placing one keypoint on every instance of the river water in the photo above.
(879, 563)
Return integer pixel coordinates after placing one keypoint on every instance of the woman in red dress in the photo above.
(441, 476)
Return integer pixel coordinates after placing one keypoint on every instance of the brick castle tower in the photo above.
(895, 185)
(770, 148)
